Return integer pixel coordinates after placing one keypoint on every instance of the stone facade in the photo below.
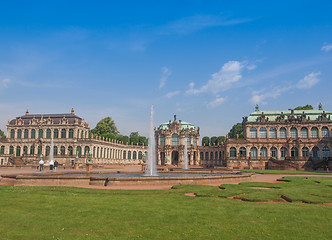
(29, 137)
(291, 138)
(172, 138)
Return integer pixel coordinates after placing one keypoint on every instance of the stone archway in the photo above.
(175, 158)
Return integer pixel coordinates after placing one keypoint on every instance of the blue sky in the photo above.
(208, 62)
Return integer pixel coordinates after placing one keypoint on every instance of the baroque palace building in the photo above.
(282, 139)
(272, 139)
(29, 137)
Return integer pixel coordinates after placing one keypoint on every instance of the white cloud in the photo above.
(216, 102)
(172, 94)
(326, 47)
(251, 67)
(225, 78)
(5, 82)
(165, 73)
(195, 23)
(260, 96)
(309, 80)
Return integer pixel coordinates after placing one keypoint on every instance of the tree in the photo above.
(205, 141)
(104, 127)
(2, 134)
(214, 140)
(134, 138)
(236, 129)
(221, 139)
(306, 107)
(142, 141)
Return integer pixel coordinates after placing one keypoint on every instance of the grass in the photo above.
(293, 172)
(74, 213)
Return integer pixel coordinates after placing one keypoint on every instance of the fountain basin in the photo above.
(121, 179)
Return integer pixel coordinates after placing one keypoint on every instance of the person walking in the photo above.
(56, 165)
(41, 165)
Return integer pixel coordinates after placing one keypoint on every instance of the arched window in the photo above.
(314, 132)
(18, 151)
(315, 153)
(273, 132)
(253, 132)
(264, 152)
(82, 134)
(211, 155)
(283, 132)
(94, 152)
(26, 133)
(33, 133)
(243, 152)
(55, 150)
(134, 155)
(86, 150)
(201, 156)
(175, 139)
(48, 133)
(274, 152)
(206, 156)
(326, 152)
(124, 154)
(140, 155)
(162, 140)
(47, 151)
(304, 132)
(194, 141)
(40, 133)
(63, 133)
(32, 150)
(215, 156)
(262, 132)
(62, 150)
(55, 133)
(188, 139)
(70, 151)
(232, 152)
(294, 152)
(79, 151)
(71, 133)
(305, 152)
(12, 134)
(325, 132)
(97, 152)
(253, 152)
(39, 150)
(19, 134)
(11, 150)
(129, 154)
(25, 150)
(293, 132)
(2, 150)
(283, 152)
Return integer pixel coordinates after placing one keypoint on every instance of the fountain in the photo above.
(151, 168)
(51, 157)
(185, 155)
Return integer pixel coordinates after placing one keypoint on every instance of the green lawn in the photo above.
(74, 213)
(285, 172)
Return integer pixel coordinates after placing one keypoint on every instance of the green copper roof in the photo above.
(272, 115)
(184, 125)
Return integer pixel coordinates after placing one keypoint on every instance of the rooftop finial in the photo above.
(27, 112)
(320, 106)
(72, 111)
(256, 108)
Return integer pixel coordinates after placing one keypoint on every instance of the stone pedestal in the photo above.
(89, 167)
(76, 166)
